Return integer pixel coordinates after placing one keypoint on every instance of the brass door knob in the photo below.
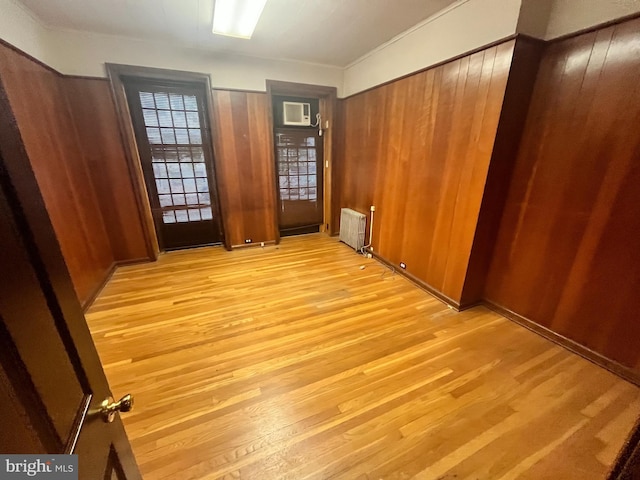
(108, 407)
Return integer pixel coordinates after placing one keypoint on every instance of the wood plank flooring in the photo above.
(294, 362)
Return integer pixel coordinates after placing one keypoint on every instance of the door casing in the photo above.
(117, 73)
(327, 97)
(133, 86)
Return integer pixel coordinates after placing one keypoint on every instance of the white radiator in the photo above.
(352, 227)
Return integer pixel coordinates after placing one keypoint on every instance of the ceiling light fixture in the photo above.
(237, 18)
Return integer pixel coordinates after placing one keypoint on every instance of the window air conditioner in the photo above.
(296, 113)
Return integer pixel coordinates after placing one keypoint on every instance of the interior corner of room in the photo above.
(491, 153)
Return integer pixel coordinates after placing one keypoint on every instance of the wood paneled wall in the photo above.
(419, 150)
(568, 250)
(70, 132)
(522, 75)
(244, 166)
(94, 115)
(38, 99)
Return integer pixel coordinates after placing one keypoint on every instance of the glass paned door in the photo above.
(299, 162)
(174, 145)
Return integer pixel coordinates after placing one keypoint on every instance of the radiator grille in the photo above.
(352, 228)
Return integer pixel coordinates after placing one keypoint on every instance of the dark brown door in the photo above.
(299, 163)
(174, 143)
(51, 380)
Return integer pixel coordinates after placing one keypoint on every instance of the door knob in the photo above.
(108, 407)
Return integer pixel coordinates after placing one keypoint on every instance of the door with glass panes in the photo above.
(171, 126)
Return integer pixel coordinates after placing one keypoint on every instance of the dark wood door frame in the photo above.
(116, 74)
(327, 99)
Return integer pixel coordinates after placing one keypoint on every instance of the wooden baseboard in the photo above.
(585, 352)
(420, 283)
(133, 261)
(618, 369)
(255, 244)
(110, 271)
(96, 291)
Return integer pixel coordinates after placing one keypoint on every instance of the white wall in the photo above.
(534, 17)
(466, 25)
(79, 53)
(22, 30)
(568, 16)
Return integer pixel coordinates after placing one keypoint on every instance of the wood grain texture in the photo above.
(38, 100)
(419, 150)
(42, 321)
(568, 250)
(95, 119)
(292, 362)
(244, 166)
(522, 75)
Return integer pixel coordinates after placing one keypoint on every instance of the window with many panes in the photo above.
(172, 124)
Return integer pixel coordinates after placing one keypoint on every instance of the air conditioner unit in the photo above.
(295, 113)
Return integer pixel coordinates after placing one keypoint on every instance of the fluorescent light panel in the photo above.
(237, 18)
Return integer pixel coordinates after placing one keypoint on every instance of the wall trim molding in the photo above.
(583, 31)
(614, 367)
(450, 302)
(523, 36)
(241, 90)
(117, 75)
(593, 28)
(29, 57)
(409, 31)
(439, 64)
(96, 291)
(267, 243)
(110, 271)
(328, 103)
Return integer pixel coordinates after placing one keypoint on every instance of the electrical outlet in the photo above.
(403, 265)
(247, 240)
(262, 244)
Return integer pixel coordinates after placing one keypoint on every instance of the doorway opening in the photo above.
(299, 161)
(302, 146)
(165, 119)
(169, 120)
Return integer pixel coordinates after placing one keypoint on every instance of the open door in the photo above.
(52, 385)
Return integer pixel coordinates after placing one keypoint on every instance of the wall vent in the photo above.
(352, 228)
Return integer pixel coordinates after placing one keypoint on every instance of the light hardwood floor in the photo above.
(293, 362)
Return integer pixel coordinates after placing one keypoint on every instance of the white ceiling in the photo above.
(331, 32)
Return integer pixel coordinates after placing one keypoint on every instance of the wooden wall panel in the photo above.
(568, 250)
(94, 115)
(522, 76)
(244, 166)
(419, 150)
(37, 96)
